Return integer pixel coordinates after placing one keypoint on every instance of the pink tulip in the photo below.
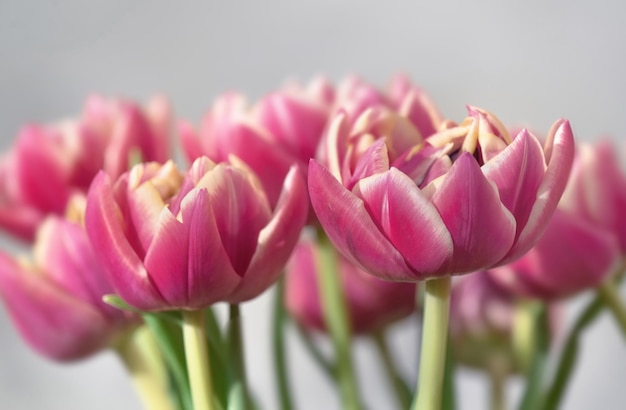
(110, 135)
(597, 189)
(371, 303)
(408, 208)
(55, 301)
(173, 241)
(581, 246)
(282, 130)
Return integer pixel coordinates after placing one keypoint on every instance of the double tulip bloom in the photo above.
(406, 206)
(109, 135)
(371, 303)
(55, 300)
(586, 238)
(174, 241)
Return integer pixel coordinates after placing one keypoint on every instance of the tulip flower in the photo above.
(572, 256)
(407, 207)
(173, 241)
(582, 245)
(110, 135)
(371, 303)
(470, 196)
(283, 129)
(55, 300)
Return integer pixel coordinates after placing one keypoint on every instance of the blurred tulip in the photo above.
(282, 130)
(581, 246)
(371, 303)
(409, 208)
(55, 301)
(481, 322)
(173, 241)
(110, 135)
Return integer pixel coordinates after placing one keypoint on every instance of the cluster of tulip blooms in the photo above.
(359, 204)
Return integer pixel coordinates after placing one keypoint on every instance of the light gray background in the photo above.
(527, 61)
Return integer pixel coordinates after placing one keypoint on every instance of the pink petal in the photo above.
(269, 160)
(276, 240)
(145, 205)
(211, 274)
(408, 220)
(52, 322)
(482, 229)
(351, 228)
(64, 250)
(572, 255)
(518, 172)
(549, 192)
(190, 142)
(374, 160)
(105, 227)
(241, 211)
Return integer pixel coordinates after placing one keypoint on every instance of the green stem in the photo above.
(167, 332)
(142, 359)
(434, 341)
(540, 342)
(523, 334)
(497, 371)
(613, 301)
(400, 388)
(280, 355)
(236, 352)
(335, 313)
(449, 385)
(309, 344)
(197, 355)
(569, 356)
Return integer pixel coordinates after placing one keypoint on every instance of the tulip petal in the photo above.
(276, 240)
(190, 142)
(240, 210)
(211, 277)
(351, 228)
(517, 172)
(572, 255)
(105, 227)
(408, 220)
(63, 248)
(373, 161)
(167, 260)
(549, 192)
(52, 322)
(482, 229)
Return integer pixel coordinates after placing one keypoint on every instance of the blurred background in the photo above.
(529, 62)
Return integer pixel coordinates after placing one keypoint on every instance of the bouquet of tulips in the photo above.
(359, 205)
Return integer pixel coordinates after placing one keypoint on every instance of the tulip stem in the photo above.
(611, 298)
(280, 355)
(400, 388)
(236, 352)
(143, 361)
(434, 341)
(335, 314)
(197, 355)
(497, 371)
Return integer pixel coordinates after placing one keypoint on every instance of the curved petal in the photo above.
(240, 211)
(351, 228)
(374, 160)
(52, 322)
(517, 172)
(482, 229)
(276, 240)
(549, 192)
(406, 217)
(105, 227)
